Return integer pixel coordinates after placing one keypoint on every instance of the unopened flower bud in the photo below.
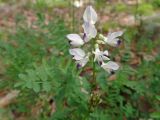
(101, 37)
(100, 42)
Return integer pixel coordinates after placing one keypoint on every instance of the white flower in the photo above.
(112, 39)
(78, 3)
(90, 18)
(110, 66)
(90, 15)
(89, 30)
(80, 57)
(75, 40)
(100, 56)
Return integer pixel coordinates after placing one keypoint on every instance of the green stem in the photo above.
(93, 63)
(73, 16)
(93, 81)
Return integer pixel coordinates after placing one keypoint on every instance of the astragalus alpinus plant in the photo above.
(86, 46)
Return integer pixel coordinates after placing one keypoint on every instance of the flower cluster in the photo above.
(77, 41)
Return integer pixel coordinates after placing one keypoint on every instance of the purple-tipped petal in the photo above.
(106, 55)
(79, 66)
(84, 36)
(75, 40)
(112, 72)
(110, 66)
(100, 62)
(119, 42)
(89, 30)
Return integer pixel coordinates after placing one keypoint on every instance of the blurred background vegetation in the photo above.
(39, 81)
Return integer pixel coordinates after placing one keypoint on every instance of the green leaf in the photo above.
(29, 83)
(42, 73)
(158, 97)
(36, 86)
(46, 86)
(18, 84)
(155, 115)
(22, 76)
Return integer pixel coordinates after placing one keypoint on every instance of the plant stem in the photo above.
(93, 63)
(73, 16)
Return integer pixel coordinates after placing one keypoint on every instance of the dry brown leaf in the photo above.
(53, 108)
(112, 77)
(7, 99)
(135, 61)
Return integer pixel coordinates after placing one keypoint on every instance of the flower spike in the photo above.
(90, 33)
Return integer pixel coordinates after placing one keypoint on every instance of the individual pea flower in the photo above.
(110, 66)
(112, 38)
(90, 18)
(100, 56)
(75, 40)
(80, 57)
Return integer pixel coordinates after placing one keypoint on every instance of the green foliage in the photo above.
(121, 7)
(36, 79)
(43, 4)
(156, 3)
(145, 9)
(155, 115)
(107, 25)
(100, 3)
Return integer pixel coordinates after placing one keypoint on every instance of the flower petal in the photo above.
(114, 42)
(90, 15)
(112, 39)
(77, 53)
(89, 30)
(75, 39)
(97, 53)
(113, 35)
(109, 66)
(82, 62)
(105, 55)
